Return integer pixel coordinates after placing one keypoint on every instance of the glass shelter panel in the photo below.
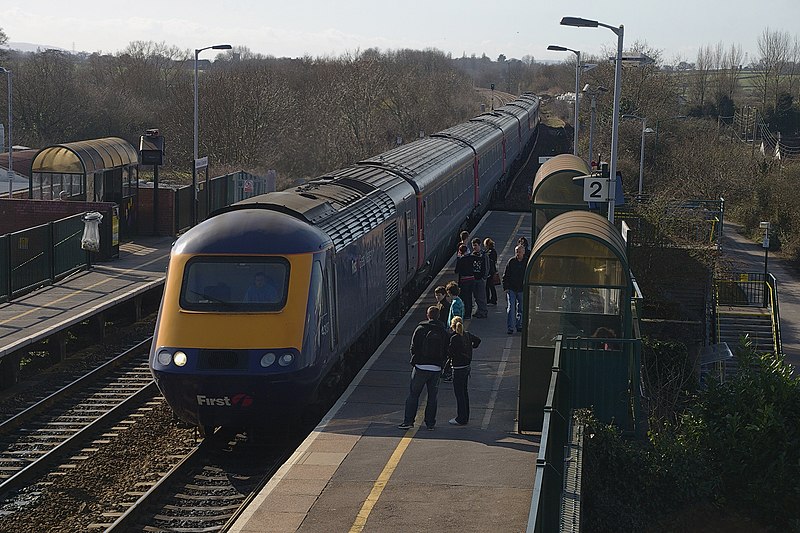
(575, 288)
(578, 261)
(560, 190)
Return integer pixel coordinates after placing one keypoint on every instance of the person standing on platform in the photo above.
(442, 303)
(466, 279)
(480, 270)
(459, 351)
(428, 354)
(513, 284)
(456, 303)
(491, 254)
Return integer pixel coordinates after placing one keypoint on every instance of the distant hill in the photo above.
(32, 47)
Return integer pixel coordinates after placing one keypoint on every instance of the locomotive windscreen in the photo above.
(235, 284)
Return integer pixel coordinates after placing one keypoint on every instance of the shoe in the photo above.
(431, 428)
(510, 331)
(455, 422)
(519, 330)
(405, 426)
(447, 379)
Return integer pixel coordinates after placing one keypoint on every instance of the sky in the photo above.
(293, 28)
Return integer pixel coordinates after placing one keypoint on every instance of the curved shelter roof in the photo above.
(582, 243)
(553, 182)
(85, 157)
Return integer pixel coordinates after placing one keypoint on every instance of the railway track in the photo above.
(207, 490)
(43, 435)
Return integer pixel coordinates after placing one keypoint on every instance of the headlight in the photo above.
(179, 358)
(164, 357)
(267, 359)
(286, 359)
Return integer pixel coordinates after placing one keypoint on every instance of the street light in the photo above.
(645, 129)
(10, 144)
(585, 23)
(196, 121)
(593, 92)
(577, 88)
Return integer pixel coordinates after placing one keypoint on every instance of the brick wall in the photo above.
(166, 211)
(18, 214)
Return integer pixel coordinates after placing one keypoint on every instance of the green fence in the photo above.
(38, 256)
(599, 373)
(545, 512)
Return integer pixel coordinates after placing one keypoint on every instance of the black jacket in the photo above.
(460, 348)
(514, 276)
(418, 355)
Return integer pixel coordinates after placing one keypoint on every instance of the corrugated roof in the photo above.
(85, 157)
(582, 224)
(561, 168)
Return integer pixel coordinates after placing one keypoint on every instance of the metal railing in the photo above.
(41, 255)
(545, 512)
(751, 289)
(772, 283)
(603, 374)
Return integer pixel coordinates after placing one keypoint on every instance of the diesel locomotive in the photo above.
(264, 297)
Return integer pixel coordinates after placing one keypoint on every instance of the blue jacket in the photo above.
(456, 309)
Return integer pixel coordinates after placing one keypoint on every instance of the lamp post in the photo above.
(620, 31)
(592, 92)
(10, 143)
(645, 129)
(196, 125)
(577, 88)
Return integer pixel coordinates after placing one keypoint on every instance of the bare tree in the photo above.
(728, 69)
(702, 74)
(773, 47)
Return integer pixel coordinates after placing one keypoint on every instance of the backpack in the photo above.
(434, 343)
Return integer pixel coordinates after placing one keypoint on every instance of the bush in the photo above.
(752, 434)
(737, 447)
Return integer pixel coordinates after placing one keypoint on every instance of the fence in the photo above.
(37, 256)
(221, 191)
(599, 373)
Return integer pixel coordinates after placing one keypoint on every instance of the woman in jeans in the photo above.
(459, 351)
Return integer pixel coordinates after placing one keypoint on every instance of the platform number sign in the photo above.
(595, 189)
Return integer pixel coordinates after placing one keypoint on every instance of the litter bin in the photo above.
(90, 241)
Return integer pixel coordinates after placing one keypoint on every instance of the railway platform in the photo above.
(358, 472)
(51, 310)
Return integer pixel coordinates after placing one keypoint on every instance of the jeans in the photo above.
(466, 296)
(491, 291)
(460, 381)
(420, 379)
(514, 310)
(479, 291)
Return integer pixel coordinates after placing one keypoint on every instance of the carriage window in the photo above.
(235, 284)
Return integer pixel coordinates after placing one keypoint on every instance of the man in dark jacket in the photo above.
(480, 271)
(513, 284)
(428, 353)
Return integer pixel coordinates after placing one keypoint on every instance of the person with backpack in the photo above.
(428, 354)
(459, 350)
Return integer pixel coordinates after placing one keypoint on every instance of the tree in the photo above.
(773, 47)
(3, 41)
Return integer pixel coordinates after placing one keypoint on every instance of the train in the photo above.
(266, 296)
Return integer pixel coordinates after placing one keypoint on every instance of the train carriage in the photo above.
(329, 261)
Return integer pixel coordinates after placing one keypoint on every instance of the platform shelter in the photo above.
(555, 192)
(95, 170)
(577, 284)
